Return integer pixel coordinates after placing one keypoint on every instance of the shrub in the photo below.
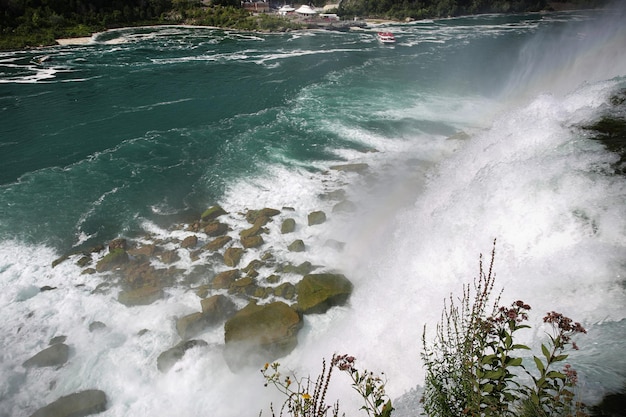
(472, 367)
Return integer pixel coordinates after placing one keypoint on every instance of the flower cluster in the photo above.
(517, 312)
(566, 327)
(571, 375)
(343, 362)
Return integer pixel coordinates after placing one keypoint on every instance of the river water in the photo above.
(471, 130)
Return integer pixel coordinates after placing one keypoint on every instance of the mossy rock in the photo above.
(225, 278)
(253, 216)
(316, 217)
(140, 296)
(79, 404)
(260, 333)
(55, 355)
(273, 279)
(288, 226)
(217, 308)
(218, 243)
(190, 325)
(285, 290)
(232, 256)
(84, 261)
(253, 231)
(304, 268)
(252, 241)
(119, 243)
(115, 258)
(212, 213)
(243, 286)
(169, 257)
(296, 246)
(253, 265)
(319, 292)
(189, 242)
(215, 228)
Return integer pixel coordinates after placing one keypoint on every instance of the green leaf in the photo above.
(514, 362)
(488, 388)
(387, 409)
(508, 341)
(520, 347)
(560, 358)
(539, 364)
(555, 374)
(546, 352)
(497, 374)
(487, 359)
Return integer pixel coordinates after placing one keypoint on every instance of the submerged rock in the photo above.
(167, 359)
(215, 310)
(55, 355)
(79, 404)
(260, 333)
(358, 167)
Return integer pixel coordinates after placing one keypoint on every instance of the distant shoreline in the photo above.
(74, 41)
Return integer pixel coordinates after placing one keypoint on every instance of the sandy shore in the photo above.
(73, 41)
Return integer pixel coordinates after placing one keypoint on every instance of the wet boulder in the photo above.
(215, 228)
(296, 246)
(140, 296)
(189, 242)
(215, 310)
(316, 217)
(232, 256)
(79, 404)
(260, 333)
(319, 292)
(261, 217)
(212, 213)
(115, 258)
(288, 226)
(217, 243)
(55, 355)
(252, 242)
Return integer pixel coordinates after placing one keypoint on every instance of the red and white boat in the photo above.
(386, 37)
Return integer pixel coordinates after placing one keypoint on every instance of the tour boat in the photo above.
(386, 37)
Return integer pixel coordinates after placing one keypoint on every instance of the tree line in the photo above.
(25, 23)
(424, 9)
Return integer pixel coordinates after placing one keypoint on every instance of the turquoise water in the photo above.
(470, 127)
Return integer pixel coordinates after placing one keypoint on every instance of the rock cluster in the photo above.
(267, 327)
